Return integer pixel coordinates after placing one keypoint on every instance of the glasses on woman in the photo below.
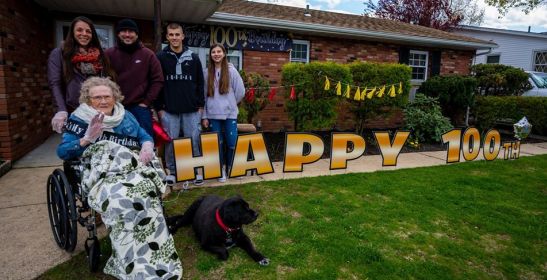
(99, 98)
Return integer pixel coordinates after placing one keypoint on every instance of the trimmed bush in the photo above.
(313, 108)
(367, 74)
(260, 99)
(454, 93)
(489, 109)
(424, 119)
(500, 80)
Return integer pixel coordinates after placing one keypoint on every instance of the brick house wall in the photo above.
(274, 117)
(25, 100)
(26, 106)
(455, 62)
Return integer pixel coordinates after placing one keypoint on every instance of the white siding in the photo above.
(514, 50)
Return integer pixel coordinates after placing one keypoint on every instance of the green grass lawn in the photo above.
(476, 220)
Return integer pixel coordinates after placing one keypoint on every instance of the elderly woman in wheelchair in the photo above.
(121, 179)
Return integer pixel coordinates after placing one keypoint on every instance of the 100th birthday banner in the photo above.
(306, 148)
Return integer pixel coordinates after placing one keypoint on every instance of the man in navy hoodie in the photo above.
(139, 72)
(181, 100)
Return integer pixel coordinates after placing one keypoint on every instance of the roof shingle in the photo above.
(286, 13)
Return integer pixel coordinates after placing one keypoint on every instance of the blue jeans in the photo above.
(191, 127)
(143, 116)
(227, 132)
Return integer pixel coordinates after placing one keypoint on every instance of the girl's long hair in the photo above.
(71, 46)
(224, 81)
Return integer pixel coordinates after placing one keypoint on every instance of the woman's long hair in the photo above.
(71, 47)
(224, 81)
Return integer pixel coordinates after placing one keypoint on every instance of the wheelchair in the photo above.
(68, 207)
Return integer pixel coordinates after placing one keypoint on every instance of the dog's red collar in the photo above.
(222, 225)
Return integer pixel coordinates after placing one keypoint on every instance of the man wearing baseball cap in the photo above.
(139, 72)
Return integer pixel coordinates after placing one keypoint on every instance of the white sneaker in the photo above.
(199, 180)
(170, 179)
(223, 178)
(185, 185)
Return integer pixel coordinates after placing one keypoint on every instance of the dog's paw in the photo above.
(264, 262)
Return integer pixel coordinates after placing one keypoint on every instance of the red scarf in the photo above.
(88, 62)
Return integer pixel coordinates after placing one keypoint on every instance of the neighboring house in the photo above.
(526, 50)
(260, 38)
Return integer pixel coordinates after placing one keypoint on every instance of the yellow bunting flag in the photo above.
(327, 83)
(357, 94)
(371, 93)
(339, 89)
(381, 91)
(348, 90)
(392, 91)
(363, 94)
(400, 88)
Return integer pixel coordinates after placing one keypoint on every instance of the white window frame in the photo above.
(203, 54)
(493, 54)
(59, 32)
(419, 66)
(534, 59)
(301, 42)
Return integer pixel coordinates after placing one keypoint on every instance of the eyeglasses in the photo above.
(106, 98)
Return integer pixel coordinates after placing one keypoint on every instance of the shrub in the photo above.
(313, 108)
(424, 118)
(488, 109)
(242, 116)
(260, 99)
(455, 94)
(498, 79)
(378, 74)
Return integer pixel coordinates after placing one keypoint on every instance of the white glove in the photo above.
(147, 152)
(95, 128)
(58, 121)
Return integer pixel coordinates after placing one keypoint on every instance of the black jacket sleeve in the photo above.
(159, 103)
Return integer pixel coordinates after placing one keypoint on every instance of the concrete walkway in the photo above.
(28, 248)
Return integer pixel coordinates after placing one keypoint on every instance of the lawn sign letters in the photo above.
(305, 148)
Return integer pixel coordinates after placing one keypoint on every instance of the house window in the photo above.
(540, 61)
(417, 60)
(234, 56)
(104, 32)
(300, 51)
(493, 59)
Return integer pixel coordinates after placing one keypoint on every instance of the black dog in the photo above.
(217, 224)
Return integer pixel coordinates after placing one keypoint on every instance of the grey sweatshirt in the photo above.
(224, 106)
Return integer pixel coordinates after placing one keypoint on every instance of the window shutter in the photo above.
(436, 63)
(403, 55)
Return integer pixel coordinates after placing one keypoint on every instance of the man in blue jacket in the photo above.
(181, 100)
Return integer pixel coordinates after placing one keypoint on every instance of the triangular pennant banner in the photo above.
(293, 93)
(250, 95)
(327, 83)
(271, 94)
(392, 91)
(381, 91)
(339, 88)
(363, 94)
(348, 91)
(371, 93)
(357, 94)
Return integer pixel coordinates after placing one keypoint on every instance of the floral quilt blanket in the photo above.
(127, 195)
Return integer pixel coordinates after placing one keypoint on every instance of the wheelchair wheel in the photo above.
(93, 250)
(72, 216)
(57, 211)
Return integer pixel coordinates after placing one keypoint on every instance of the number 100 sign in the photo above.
(470, 145)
